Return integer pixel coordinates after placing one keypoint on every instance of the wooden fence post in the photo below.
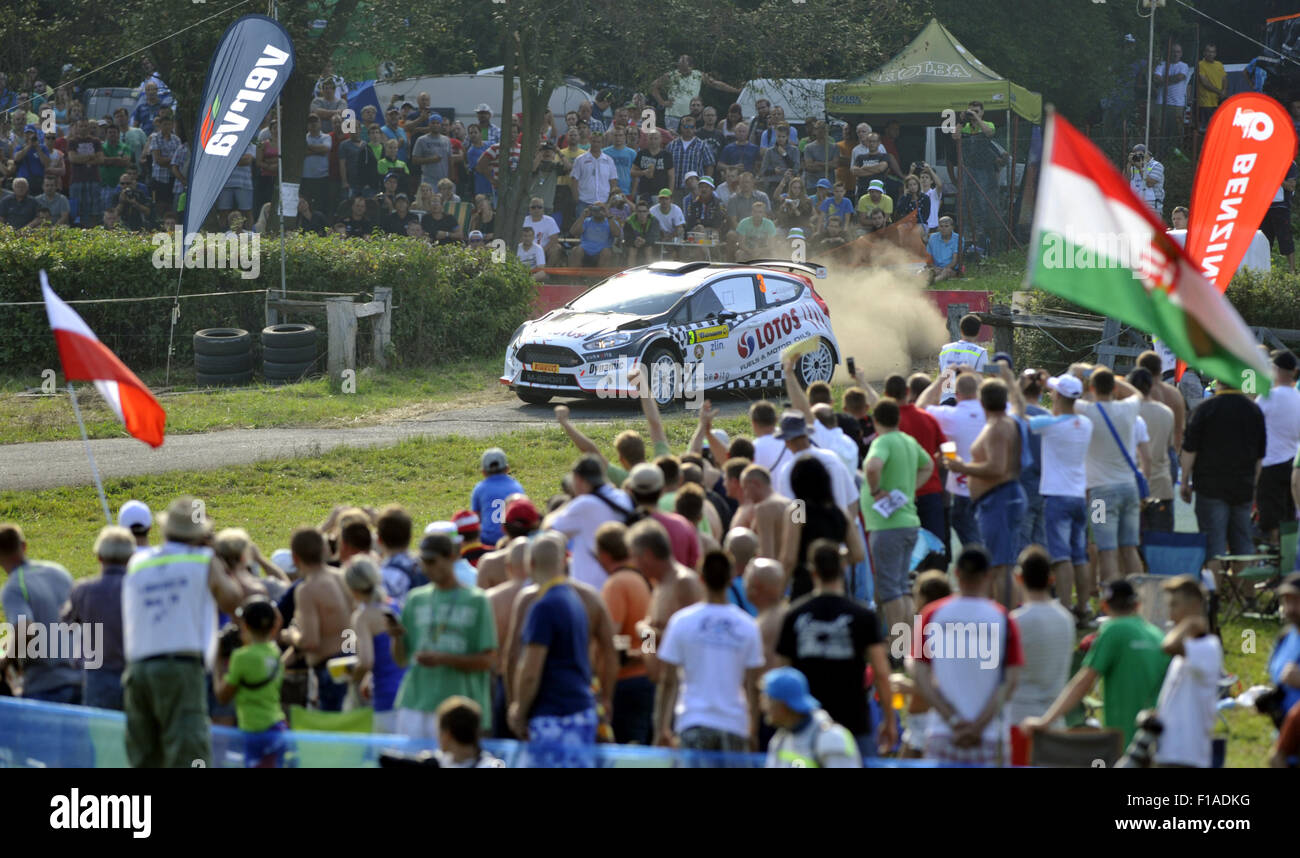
(341, 320)
(383, 326)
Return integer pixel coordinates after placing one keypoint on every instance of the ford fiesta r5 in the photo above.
(698, 326)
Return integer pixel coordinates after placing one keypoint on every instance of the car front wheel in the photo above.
(816, 365)
(665, 375)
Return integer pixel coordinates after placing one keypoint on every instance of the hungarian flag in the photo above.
(85, 358)
(1097, 244)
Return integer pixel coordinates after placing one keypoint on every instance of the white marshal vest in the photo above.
(166, 604)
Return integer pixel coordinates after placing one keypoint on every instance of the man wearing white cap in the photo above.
(491, 133)
(1064, 488)
(136, 517)
(465, 573)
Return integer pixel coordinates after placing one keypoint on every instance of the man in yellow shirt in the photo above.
(1211, 83)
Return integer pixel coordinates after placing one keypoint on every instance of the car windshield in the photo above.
(645, 295)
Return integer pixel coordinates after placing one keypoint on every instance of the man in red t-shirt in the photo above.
(925, 429)
(967, 658)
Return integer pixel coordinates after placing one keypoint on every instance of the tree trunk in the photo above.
(534, 93)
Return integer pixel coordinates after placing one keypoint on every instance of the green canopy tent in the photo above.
(933, 73)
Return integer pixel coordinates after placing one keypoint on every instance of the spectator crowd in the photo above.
(908, 573)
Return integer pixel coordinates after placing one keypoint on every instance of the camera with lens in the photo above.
(229, 639)
(1270, 703)
(1141, 752)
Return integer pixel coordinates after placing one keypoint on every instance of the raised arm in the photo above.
(930, 396)
(649, 407)
(582, 442)
(1015, 396)
(860, 376)
(798, 398)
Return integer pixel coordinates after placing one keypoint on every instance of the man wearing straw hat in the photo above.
(170, 599)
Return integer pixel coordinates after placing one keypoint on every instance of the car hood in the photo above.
(568, 326)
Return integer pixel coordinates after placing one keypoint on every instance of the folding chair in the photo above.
(1247, 586)
(1174, 553)
(1168, 555)
(1076, 749)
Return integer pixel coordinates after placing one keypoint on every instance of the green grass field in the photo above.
(379, 396)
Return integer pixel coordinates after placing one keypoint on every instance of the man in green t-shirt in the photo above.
(753, 236)
(1127, 655)
(448, 632)
(253, 680)
(117, 157)
(894, 467)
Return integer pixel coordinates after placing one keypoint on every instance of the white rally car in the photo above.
(698, 326)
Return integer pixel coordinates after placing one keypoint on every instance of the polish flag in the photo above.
(85, 358)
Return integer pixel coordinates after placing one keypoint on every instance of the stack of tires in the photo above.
(288, 352)
(223, 356)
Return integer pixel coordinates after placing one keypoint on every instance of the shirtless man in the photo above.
(997, 497)
(674, 587)
(493, 571)
(502, 600)
(742, 544)
(763, 580)
(1168, 395)
(322, 613)
(502, 596)
(764, 510)
(600, 637)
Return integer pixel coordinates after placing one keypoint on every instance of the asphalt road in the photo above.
(51, 464)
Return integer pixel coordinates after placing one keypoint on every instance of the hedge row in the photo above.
(449, 302)
(1270, 300)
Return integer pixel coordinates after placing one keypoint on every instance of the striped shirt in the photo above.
(689, 157)
(165, 146)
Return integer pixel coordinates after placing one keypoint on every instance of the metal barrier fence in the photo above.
(50, 735)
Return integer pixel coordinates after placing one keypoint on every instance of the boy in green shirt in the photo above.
(448, 635)
(252, 679)
(1128, 655)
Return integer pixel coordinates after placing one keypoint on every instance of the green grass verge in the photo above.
(433, 478)
(24, 417)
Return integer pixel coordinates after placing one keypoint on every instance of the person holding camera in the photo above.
(597, 232)
(1146, 176)
(980, 161)
(132, 202)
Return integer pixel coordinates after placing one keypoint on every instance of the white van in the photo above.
(463, 92)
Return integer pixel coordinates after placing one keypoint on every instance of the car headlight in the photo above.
(607, 341)
(514, 338)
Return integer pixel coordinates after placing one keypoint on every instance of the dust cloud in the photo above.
(882, 317)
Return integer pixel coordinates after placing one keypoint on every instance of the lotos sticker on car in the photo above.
(704, 335)
(766, 335)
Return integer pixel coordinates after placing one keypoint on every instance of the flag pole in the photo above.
(99, 485)
(279, 165)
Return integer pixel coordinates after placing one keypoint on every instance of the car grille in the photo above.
(556, 378)
(557, 355)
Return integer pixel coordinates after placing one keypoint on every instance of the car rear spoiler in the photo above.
(818, 271)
